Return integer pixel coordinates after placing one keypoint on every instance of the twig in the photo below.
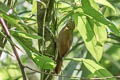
(31, 73)
(19, 48)
(12, 43)
(2, 49)
(82, 78)
(5, 28)
(46, 72)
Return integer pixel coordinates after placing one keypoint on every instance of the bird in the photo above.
(64, 41)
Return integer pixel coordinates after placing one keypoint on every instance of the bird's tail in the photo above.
(59, 65)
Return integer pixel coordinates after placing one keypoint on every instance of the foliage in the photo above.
(95, 49)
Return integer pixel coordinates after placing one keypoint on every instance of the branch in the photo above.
(6, 38)
(46, 72)
(2, 49)
(81, 78)
(5, 28)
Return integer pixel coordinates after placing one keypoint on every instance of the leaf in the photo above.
(3, 7)
(63, 4)
(109, 12)
(7, 10)
(99, 31)
(12, 20)
(94, 35)
(68, 15)
(43, 62)
(106, 3)
(95, 68)
(94, 5)
(112, 54)
(25, 35)
(34, 7)
(26, 43)
(75, 18)
(98, 16)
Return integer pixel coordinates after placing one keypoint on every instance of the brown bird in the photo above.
(64, 42)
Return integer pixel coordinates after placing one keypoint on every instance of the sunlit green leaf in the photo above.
(109, 12)
(26, 43)
(94, 5)
(95, 68)
(34, 7)
(94, 35)
(43, 62)
(98, 16)
(106, 3)
(13, 21)
(63, 5)
(25, 35)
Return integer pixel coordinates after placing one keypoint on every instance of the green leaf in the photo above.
(94, 35)
(75, 18)
(95, 68)
(3, 7)
(66, 16)
(106, 3)
(89, 10)
(109, 12)
(63, 4)
(25, 35)
(94, 5)
(43, 62)
(112, 54)
(34, 7)
(12, 20)
(27, 45)
(99, 31)
(25, 41)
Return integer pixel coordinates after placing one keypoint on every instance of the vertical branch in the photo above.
(2, 39)
(46, 26)
(5, 28)
(40, 20)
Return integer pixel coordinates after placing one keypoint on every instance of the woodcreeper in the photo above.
(64, 42)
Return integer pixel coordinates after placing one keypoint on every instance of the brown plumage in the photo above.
(64, 42)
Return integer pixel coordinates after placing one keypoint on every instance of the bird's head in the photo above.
(70, 24)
